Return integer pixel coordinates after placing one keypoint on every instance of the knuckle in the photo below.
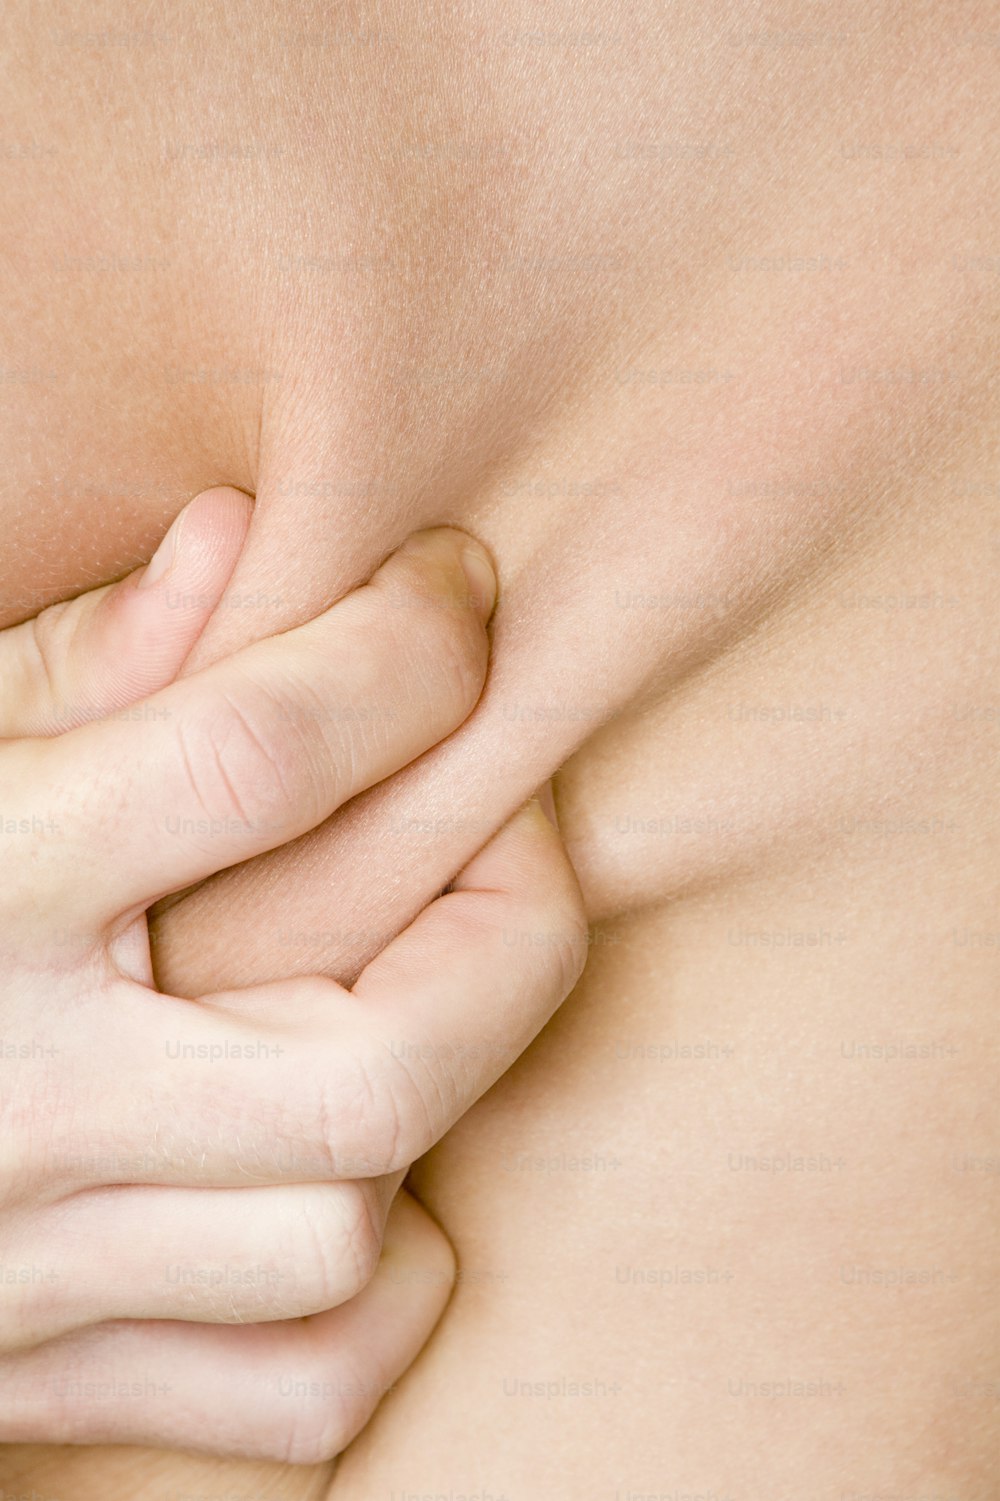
(570, 952)
(341, 1245)
(362, 1235)
(560, 907)
(250, 759)
(373, 1119)
(320, 1425)
(307, 1441)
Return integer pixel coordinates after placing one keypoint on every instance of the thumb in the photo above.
(113, 647)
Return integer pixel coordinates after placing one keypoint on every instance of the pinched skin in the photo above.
(198, 1196)
(692, 318)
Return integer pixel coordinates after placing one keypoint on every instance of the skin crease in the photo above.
(692, 319)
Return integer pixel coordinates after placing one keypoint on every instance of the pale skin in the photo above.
(695, 327)
(148, 1203)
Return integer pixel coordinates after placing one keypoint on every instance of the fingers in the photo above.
(296, 1392)
(238, 1256)
(464, 990)
(304, 1081)
(258, 749)
(108, 649)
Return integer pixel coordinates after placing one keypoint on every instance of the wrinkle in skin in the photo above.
(694, 325)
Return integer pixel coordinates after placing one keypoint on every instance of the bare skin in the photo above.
(693, 320)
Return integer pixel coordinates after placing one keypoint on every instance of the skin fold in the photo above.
(199, 1197)
(691, 317)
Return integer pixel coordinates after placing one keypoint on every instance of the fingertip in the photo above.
(145, 627)
(465, 573)
(528, 849)
(219, 519)
(207, 536)
(528, 864)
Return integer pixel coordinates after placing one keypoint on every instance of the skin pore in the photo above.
(692, 319)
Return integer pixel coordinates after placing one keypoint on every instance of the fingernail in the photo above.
(547, 803)
(163, 557)
(481, 579)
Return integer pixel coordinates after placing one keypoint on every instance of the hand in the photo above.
(171, 1166)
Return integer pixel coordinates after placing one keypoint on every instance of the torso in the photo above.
(694, 322)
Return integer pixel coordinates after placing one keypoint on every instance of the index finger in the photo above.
(259, 748)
